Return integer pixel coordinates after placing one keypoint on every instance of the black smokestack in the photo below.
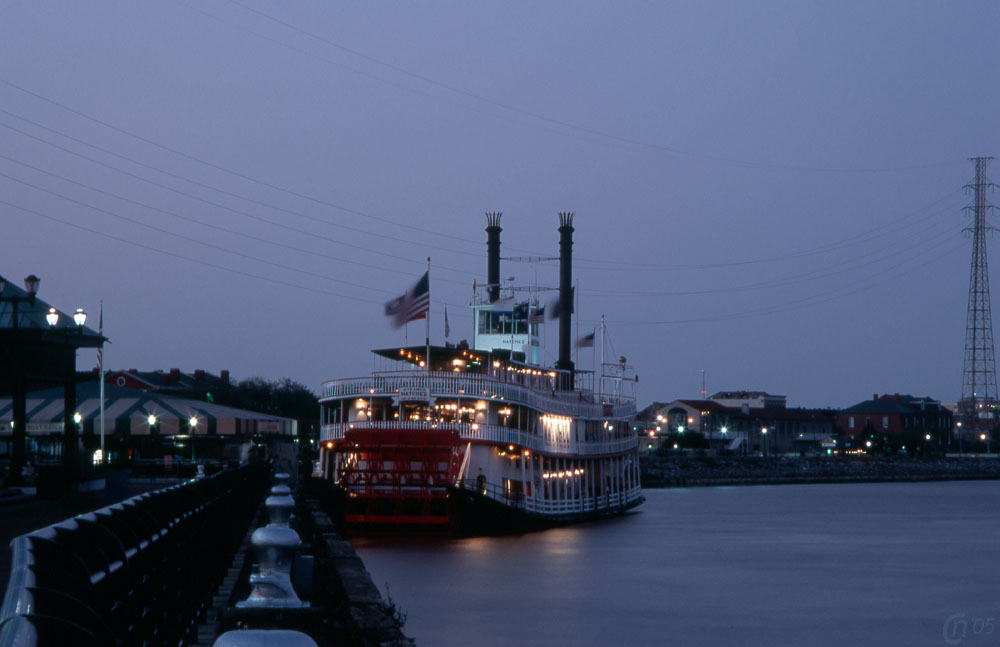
(493, 253)
(565, 289)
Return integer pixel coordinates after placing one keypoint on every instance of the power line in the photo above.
(834, 294)
(229, 171)
(222, 191)
(622, 266)
(182, 257)
(559, 122)
(191, 239)
(196, 221)
(837, 269)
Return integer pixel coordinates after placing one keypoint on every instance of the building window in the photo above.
(850, 422)
(885, 422)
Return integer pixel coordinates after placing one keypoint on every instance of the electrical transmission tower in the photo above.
(979, 376)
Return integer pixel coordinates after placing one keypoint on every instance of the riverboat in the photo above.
(483, 435)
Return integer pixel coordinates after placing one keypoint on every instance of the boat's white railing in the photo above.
(493, 434)
(554, 507)
(577, 404)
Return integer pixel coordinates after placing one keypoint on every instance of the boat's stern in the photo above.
(394, 477)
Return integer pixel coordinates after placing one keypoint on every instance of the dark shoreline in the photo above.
(688, 471)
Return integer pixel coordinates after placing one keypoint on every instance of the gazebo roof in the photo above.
(31, 317)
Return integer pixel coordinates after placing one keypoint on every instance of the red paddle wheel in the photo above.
(393, 476)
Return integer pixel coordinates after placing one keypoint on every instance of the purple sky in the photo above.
(770, 191)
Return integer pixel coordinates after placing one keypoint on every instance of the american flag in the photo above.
(587, 341)
(100, 331)
(537, 315)
(555, 306)
(412, 305)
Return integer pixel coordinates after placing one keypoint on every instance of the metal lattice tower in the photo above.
(979, 376)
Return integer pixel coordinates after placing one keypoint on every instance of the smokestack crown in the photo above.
(493, 254)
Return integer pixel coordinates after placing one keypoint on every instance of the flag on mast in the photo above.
(411, 306)
(447, 328)
(537, 316)
(587, 341)
(100, 348)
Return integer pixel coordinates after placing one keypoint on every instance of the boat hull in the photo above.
(423, 479)
(476, 513)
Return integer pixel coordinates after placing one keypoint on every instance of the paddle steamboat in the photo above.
(482, 435)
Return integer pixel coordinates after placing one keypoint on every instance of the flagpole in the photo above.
(427, 339)
(100, 370)
(576, 311)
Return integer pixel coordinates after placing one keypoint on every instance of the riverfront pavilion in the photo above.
(138, 424)
(38, 345)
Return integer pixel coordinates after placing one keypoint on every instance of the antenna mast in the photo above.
(979, 375)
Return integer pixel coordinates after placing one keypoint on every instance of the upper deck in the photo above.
(580, 403)
(463, 373)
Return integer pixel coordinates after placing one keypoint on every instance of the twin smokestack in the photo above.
(565, 276)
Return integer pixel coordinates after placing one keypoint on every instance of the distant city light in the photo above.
(151, 419)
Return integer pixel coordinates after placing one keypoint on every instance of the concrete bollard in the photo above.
(275, 545)
(279, 507)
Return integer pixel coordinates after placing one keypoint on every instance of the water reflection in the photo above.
(813, 564)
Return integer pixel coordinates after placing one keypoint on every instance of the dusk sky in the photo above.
(769, 191)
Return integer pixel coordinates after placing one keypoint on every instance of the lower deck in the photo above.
(406, 477)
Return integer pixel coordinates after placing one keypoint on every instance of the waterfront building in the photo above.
(200, 385)
(893, 422)
(749, 399)
(741, 429)
(138, 424)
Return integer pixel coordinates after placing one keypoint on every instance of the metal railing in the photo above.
(493, 434)
(577, 404)
(553, 507)
(137, 572)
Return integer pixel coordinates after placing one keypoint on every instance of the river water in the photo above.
(840, 564)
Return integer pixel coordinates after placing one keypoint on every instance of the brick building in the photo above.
(894, 419)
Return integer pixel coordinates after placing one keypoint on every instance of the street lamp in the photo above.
(193, 423)
(763, 441)
(52, 317)
(79, 317)
(31, 283)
